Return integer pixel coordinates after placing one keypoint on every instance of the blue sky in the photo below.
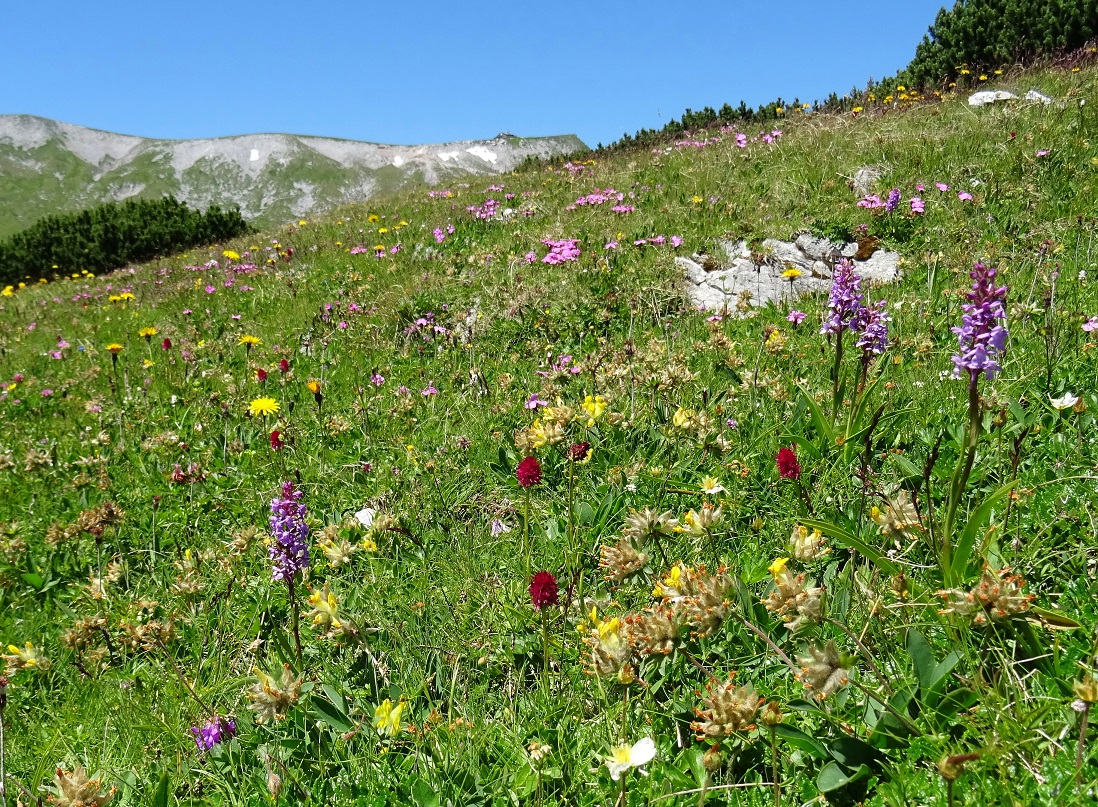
(421, 72)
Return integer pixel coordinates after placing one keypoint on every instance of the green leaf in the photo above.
(822, 424)
(907, 467)
(851, 752)
(963, 550)
(327, 712)
(798, 739)
(162, 795)
(851, 541)
(832, 777)
(35, 581)
(424, 795)
(922, 658)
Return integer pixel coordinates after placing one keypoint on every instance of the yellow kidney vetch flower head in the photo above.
(387, 717)
(672, 581)
(595, 406)
(27, 657)
(325, 605)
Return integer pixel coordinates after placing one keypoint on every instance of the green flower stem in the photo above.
(960, 480)
(835, 371)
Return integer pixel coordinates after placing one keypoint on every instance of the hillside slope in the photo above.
(282, 516)
(47, 166)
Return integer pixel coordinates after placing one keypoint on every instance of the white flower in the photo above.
(624, 757)
(711, 486)
(1065, 401)
(366, 516)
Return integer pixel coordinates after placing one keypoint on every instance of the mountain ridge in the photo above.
(49, 166)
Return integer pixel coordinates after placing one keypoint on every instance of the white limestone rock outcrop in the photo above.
(988, 97)
(746, 280)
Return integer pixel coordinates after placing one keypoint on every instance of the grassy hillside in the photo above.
(398, 363)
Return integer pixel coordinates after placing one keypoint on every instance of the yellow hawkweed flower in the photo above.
(115, 348)
(231, 254)
(147, 333)
(261, 407)
(126, 295)
(313, 386)
(250, 341)
(792, 273)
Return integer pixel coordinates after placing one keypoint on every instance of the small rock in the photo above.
(986, 97)
(1033, 95)
(821, 269)
(694, 272)
(813, 247)
(865, 179)
(735, 249)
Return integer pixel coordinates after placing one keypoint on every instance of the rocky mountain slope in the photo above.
(47, 166)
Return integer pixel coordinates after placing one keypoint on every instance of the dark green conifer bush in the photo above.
(113, 235)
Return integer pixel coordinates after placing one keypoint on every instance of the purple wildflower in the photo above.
(796, 317)
(1091, 325)
(845, 307)
(917, 205)
(289, 551)
(214, 733)
(873, 340)
(893, 200)
(982, 337)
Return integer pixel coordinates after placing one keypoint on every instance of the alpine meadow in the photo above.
(751, 462)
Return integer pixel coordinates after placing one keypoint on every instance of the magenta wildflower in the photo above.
(561, 251)
(529, 472)
(846, 308)
(873, 340)
(796, 317)
(964, 196)
(917, 205)
(543, 590)
(788, 467)
(1091, 325)
(214, 733)
(289, 551)
(982, 336)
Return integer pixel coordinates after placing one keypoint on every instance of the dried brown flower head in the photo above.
(729, 710)
(998, 595)
(621, 560)
(271, 699)
(824, 670)
(75, 789)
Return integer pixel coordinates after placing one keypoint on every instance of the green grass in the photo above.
(440, 610)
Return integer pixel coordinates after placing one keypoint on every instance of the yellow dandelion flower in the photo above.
(792, 273)
(147, 333)
(261, 407)
(313, 386)
(114, 348)
(250, 341)
(231, 254)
